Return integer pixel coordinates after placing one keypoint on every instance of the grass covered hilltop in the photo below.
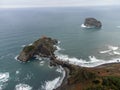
(103, 77)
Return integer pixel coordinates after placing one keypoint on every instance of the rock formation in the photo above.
(43, 47)
(103, 77)
(92, 23)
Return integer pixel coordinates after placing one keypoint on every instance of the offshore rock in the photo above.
(43, 47)
(92, 23)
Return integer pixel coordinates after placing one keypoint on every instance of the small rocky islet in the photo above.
(103, 77)
(92, 23)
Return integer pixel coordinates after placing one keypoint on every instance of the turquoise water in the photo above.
(19, 27)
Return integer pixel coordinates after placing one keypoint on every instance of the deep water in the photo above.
(22, 26)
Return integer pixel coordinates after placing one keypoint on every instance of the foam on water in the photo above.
(93, 61)
(23, 45)
(23, 87)
(16, 57)
(80, 62)
(111, 50)
(50, 85)
(17, 72)
(116, 53)
(4, 77)
(82, 25)
(30, 44)
(42, 63)
(106, 51)
(112, 47)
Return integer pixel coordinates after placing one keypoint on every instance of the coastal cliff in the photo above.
(103, 77)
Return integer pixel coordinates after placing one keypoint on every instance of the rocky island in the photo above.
(103, 77)
(92, 23)
(43, 47)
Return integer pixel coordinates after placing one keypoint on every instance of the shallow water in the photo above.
(89, 47)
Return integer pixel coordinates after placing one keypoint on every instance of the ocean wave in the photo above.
(112, 50)
(80, 62)
(16, 57)
(82, 25)
(50, 85)
(23, 45)
(106, 51)
(112, 47)
(17, 72)
(53, 84)
(42, 63)
(23, 87)
(4, 77)
(93, 61)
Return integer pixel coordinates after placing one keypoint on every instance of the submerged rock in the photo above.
(43, 47)
(92, 23)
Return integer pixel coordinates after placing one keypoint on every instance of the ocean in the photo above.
(80, 46)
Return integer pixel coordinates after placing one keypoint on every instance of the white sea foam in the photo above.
(17, 72)
(4, 77)
(116, 52)
(42, 63)
(111, 50)
(106, 51)
(82, 25)
(23, 87)
(50, 66)
(16, 57)
(112, 47)
(80, 62)
(50, 85)
(30, 44)
(93, 61)
(23, 45)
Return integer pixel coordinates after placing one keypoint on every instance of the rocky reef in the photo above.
(43, 47)
(92, 23)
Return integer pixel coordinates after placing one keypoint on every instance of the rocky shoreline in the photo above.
(76, 77)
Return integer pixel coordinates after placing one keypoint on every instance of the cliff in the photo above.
(43, 47)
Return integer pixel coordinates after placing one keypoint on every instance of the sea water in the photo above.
(78, 45)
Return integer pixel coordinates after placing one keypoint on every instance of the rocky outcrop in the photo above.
(92, 23)
(43, 47)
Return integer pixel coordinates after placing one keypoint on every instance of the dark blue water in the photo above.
(23, 26)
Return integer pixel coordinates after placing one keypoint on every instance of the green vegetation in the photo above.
(81, 75)
(112, 82)
(29, 48)
(108, 83)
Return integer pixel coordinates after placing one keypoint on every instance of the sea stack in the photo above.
(92, 23)
(43, 47)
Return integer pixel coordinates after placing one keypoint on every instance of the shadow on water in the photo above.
(91, 29)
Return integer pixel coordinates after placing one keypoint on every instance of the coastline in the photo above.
(105, 66)
(64, 81)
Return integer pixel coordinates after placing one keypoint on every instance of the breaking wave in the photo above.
(4, 77)
(23, 87)
(82, 25)
(50, 85)
(93, 61)
(112, 50)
